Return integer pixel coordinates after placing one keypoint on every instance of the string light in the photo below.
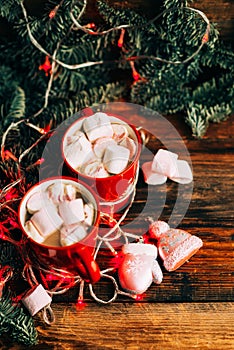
(121, 38)
(53, 12)
(136, 76)
(46, 66)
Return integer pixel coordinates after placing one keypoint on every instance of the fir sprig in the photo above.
(15, 322)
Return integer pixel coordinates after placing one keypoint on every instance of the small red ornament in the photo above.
(46, 66)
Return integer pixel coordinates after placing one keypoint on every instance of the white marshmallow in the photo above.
(72, 212)
(36, 201)
(150, 177)
(78, 152)
(101, 144)
(164, 163)
(47, 221)
(56, 192)
(129, 144)
(33, 232)
(75, 137)
(116, 159)
(95, 169)
(70, 192)
(120, 132)
(36, 299)
(89, 213)
(184, 173)
(73, 235)
(97, 125)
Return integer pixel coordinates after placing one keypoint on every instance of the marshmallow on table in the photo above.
(33, 232)
(101, 144)
(130, 145)
(95, 169)
(36, 299)
(184, 173)
(72, 235)
(47, 221)
(72, 212)
(119, 132)
(116, 159)
(97, 125)
(150, 177)
(165, 163)
(78, 152)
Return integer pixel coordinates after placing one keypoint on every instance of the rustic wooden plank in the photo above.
(140, 326)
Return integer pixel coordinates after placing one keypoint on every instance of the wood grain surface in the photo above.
(192, 308)
(138, 326)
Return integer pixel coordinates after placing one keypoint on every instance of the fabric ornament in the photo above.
(175, 246)
(139, 267)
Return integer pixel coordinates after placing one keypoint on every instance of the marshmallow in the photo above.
(165, 163)
(150, 177)
(75, 137)
(78, 152)
(184, 173)
(47, 221)
(33, 232)
(116, 159)
(72, 212)
(89, 213)
(73, 235)
(97, 125)
(36, 299)
(120, 132)
(95, 169)
(101, 144)
(70, 192)
(56, 192)
(36, 201)
(130, 145)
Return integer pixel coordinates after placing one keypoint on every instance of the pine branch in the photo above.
(16, 322)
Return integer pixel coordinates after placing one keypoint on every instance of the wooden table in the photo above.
(192, 308)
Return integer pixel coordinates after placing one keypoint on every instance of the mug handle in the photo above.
(91, 267)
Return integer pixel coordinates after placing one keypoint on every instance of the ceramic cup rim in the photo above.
(69, 180)
(115, 176)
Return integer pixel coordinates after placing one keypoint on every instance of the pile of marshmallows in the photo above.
(58, 209)
(100, 148)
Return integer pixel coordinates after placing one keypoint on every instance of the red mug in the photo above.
(115, 188)
(76, 258)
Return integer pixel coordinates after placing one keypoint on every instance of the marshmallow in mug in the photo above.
(72, 212)
(97, 125)
(71, 235)
(78, 151)
(47, 221)
(116, 159)
(64, 215)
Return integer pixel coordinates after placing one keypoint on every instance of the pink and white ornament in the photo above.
(138, 269)
(175, 246)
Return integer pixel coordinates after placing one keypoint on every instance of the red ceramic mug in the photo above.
(115, 188)
(76, 258)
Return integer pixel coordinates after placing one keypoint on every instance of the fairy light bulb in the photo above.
(46, 66)
(121, 38)
(53, 12)
(136, 76)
